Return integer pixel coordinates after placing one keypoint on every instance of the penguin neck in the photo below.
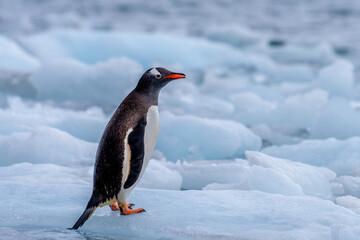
(151, 96)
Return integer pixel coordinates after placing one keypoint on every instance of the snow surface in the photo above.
(260, 141)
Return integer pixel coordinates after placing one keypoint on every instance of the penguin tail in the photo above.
(90, 209)
(85, 216)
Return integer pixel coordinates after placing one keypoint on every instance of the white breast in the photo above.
(150, 138)
(151, 133)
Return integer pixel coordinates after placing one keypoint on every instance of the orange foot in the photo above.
(115, 206)
(127, 210)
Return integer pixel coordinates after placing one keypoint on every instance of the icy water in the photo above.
(260, 141)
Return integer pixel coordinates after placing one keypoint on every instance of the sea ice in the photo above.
(342, 156)
(271, 137)
(158, 176)
(147, 48)
(261, 172)
(151, 48)
(85, 124)
(298, 112)
(250, 108)
(350, 202)
(234, 174)
(46, 145)
(15, 82)
(314, 181)
(191, 137)
(198, 174)
(293, 116)
(337, 78)
(103, 84)
(38, 174)
(336, 119)
(183, 97)
(235, 35)
(347, 185)
(230, 214)
(315, 54)
(261, 179)
(13, 57)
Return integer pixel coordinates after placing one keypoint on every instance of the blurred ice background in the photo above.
(261, 141)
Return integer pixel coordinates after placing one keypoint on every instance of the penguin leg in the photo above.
(125, 209)
(115, 206)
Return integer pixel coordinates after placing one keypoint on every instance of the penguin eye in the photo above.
(158, 76)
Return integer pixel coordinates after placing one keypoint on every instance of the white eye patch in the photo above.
(154, 72)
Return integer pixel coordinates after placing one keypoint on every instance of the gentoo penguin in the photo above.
(126, 145)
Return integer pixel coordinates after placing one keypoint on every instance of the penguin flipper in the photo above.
(136, 143)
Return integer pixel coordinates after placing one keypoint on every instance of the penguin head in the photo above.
(156, 78)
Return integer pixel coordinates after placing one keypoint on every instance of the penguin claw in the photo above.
(130, 205)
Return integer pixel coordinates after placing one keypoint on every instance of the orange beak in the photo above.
(175, 76)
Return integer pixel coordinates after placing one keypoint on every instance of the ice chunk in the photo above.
(191, 137)
(310, 114)
(46, 145)
(236, 174)
(350, 202)
(147, 48)
(151, 48)
(262, 179)
(14, 58)
(235, 35)
(198, 174)
(158, 176)
(342, 156)
(303, 53)
(251, 102)
(104, 84)
(87, 125)
(185, 98)
(350, 185)
(278, 176)
(37, 174)
(293, 116)
(291, 73)
(314, 181)
(16, 82)
(336, 119)
(270, 137)
(337, 78)
(250, 108)
(298, 111)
